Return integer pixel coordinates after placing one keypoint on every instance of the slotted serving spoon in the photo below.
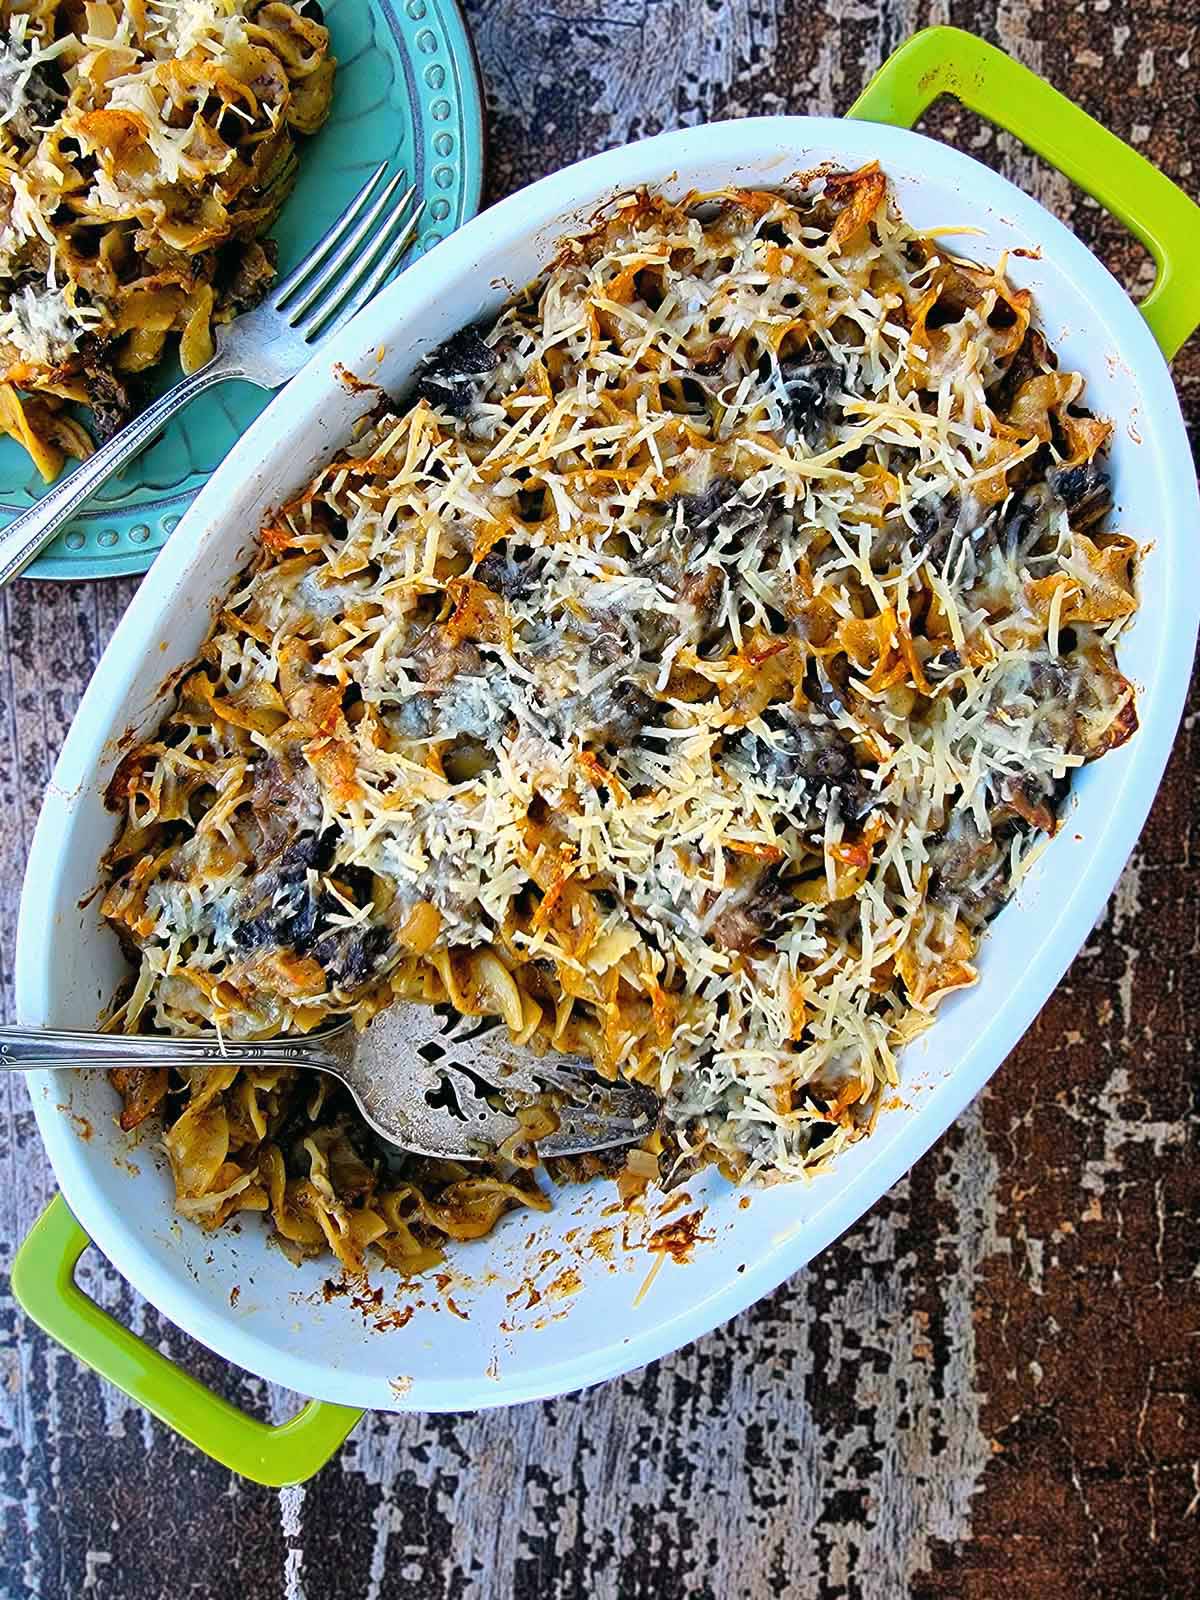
(426, 1078)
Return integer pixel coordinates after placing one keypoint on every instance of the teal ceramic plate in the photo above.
(407, 92)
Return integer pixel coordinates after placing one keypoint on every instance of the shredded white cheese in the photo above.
(687, 646)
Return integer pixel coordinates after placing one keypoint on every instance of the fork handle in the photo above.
(26, 534)
(30, 1049)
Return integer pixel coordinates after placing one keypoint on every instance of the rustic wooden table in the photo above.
(988, 1388)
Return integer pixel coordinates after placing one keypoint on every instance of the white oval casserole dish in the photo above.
(67, 965)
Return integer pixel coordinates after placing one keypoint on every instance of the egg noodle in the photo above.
(685, 674)
(145, 145)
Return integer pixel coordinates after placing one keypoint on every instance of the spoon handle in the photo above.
(30, 1049)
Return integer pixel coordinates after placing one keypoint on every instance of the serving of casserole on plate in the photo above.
(156, 161)
(145, 149)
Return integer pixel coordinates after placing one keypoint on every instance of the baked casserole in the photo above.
(684, 673)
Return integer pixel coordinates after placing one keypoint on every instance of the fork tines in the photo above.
(353, 258)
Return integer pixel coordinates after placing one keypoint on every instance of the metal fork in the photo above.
(351, 261)
(425, 1077)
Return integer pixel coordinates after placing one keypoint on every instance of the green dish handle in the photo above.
(940, 61)
(43, 1280)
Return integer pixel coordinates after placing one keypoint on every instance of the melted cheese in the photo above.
(43, 325)
(705, 677)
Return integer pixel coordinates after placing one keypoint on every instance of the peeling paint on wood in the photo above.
(988, 1387)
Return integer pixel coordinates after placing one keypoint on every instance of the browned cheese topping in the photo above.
(685, 673)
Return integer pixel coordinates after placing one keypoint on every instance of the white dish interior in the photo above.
(587, 1326)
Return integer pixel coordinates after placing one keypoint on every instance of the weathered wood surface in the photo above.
(988, 1388)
